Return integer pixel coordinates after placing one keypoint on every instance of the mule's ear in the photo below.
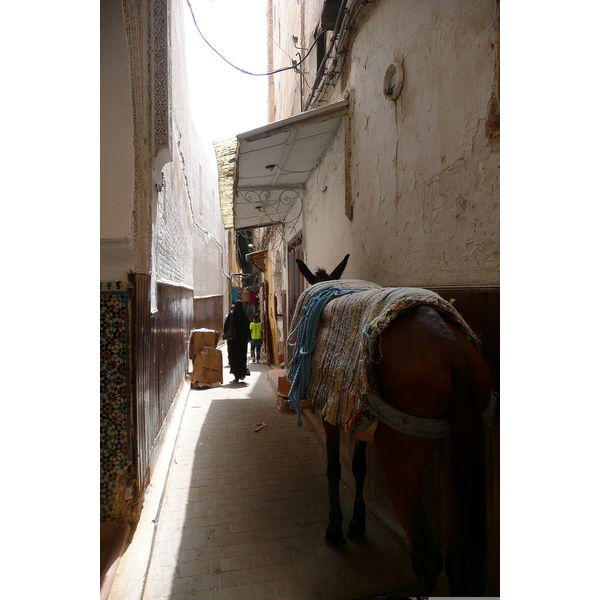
(305, 271)
(337, 272)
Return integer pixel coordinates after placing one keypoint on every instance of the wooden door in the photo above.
(295, 278)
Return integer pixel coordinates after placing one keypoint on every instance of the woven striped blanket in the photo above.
(342, 382)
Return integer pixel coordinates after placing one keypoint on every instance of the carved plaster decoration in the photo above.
(162, 84)
(147, 25)
(133, 12)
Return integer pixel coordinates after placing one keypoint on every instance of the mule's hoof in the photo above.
(334, 540)
(356, 532)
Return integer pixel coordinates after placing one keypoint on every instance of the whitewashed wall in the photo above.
(188, 237)
(425, 178)
(286, 23)
(187, 205)
(210, 257)
(116, 145)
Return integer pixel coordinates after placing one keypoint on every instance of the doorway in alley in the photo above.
(295, 278)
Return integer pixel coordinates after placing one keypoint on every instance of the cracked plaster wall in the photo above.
(425, 177)
(133, 237)
(116, 145)
(189, 204)
(160, 235)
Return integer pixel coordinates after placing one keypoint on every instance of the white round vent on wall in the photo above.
(392, 82)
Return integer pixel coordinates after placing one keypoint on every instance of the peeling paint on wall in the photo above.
(424, 169)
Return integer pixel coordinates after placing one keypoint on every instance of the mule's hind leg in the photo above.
(333, 534)
(426, 558)
(356, 527)
(402, 458)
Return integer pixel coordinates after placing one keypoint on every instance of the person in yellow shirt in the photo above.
(256, 338)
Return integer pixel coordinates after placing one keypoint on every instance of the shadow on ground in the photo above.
(245, 511)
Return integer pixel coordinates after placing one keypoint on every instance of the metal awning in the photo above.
(274, 162)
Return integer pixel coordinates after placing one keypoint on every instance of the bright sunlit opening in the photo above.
(224, 101)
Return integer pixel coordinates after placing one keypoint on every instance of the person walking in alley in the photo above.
(256, 338)
(254, 309)
(228, 330)
(237, 345)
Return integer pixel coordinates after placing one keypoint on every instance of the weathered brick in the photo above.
(246, 592)
(257, 548)
(281, 557)
(259, 575)
(266, 591)
(196, 569)
(229, 579)
(252, 522)
(205, 582)
(166, 588)
(236, 563)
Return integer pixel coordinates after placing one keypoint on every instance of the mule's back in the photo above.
(343, 381)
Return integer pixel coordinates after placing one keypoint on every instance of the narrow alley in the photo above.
(386, 167)
(244, 510)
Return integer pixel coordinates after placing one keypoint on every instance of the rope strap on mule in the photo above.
(299, 367)
(418, 426)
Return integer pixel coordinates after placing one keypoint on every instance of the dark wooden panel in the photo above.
(208, 313)
(141, 372)
(171, 344)
(295, 278)
(331, 9)
(160, 347)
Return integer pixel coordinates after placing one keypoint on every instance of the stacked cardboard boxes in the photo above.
(207, 360)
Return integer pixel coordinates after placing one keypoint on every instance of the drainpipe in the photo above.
(338, 23)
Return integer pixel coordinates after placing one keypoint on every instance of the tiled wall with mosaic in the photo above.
(115, 451)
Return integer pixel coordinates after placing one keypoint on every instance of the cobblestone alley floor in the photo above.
(244, 512)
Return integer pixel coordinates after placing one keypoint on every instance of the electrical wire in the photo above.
(281, 169)
(243, 70)
(187, 189)
(346, 14)
(339, 44)
(284, 51)
(305, 171)
(284, 29)
(304, 73)
(278, 21)
(317, 179)
(291, 226)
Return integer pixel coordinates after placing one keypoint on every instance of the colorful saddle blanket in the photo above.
(335, 328)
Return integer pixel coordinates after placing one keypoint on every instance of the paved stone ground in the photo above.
(244, 512)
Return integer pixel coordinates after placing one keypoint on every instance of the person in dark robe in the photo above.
(225, 325)
(237, 348)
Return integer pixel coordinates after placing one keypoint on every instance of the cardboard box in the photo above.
(201, 338)
(283, 387)
(208, 367)
(283, 392)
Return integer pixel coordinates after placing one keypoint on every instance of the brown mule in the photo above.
(427, 368)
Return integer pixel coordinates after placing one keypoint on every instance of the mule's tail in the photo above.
(466, 561)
